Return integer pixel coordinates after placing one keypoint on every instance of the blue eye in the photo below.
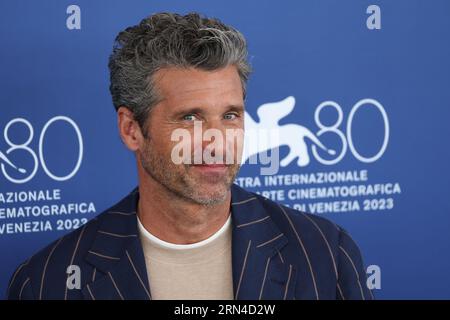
(230, 116)
(189, 117)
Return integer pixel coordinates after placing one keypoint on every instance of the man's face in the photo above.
(190, 98)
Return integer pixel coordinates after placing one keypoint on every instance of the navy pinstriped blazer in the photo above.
(277, 253)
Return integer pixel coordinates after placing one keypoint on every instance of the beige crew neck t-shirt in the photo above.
(195, 271)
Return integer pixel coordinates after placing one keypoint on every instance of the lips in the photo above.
(211, 167)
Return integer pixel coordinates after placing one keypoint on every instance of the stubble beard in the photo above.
(181, 180)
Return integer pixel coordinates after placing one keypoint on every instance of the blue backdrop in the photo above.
(370, 80)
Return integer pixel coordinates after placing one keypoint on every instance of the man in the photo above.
(187, 232)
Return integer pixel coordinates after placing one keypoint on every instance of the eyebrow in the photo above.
(197, 110)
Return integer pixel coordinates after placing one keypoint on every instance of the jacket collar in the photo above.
(259, 271)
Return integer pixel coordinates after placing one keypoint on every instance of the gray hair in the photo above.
(170, 40)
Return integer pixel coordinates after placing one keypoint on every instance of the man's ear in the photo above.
(129, 130)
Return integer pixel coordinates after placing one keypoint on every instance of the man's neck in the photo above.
(174, 219)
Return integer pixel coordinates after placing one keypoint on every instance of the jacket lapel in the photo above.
(117, 253)
(259, 270)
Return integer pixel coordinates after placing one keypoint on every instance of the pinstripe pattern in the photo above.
(340, 291)
(115, 285)
(90, 292)
(73, 257)
(269, 241)
(138, 276)
(288, 281)
(356, 271)
(252, 222)
(15, 274)
(93, 274)
(281, 256)
(117, 235)
(103, 255)
(304, 251)
(326, 243)
(346, 234)
(277, 253)
(122, 213)
(243, 268)
(45, 268)
(243, 201)
(264, 278)
(23, 286)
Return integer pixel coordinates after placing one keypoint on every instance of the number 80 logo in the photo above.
(36, 160)
(347, 138)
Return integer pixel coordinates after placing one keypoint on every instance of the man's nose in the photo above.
(214, 133)
(212, 130)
